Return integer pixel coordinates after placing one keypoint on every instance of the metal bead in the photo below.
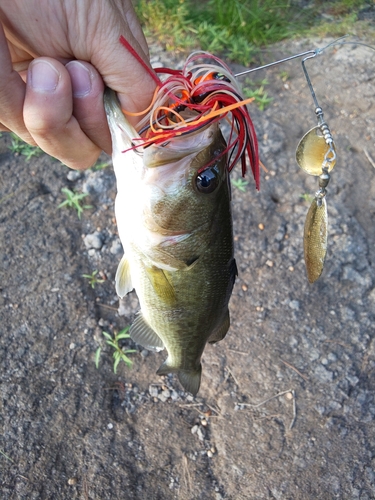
(324, 179)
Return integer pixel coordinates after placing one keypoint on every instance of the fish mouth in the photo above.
(184, 146)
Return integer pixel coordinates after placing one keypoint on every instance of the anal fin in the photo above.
(144, 335)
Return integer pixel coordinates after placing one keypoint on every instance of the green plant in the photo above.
(93, 280)
(120, 354)
(73, 200)
(234, 28)
(6, 456)
(19, 147)
(307, 197)
(284, 75)
(240, 184)
(237, 28)
(257, 92)
(101, 165)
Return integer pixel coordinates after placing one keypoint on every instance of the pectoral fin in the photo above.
(144, 335)
(161, 284)
(123, 278)
(221, 331)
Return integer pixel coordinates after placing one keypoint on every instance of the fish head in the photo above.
(171, 194)
(186, 176)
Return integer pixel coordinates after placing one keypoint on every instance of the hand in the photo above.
(56, 57)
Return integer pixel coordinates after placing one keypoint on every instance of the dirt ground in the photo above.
(286, 408)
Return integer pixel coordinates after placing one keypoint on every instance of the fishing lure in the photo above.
(194, 97)
(316, 155)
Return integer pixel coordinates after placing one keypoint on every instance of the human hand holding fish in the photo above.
(56, 57)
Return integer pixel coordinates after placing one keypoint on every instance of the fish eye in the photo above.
(208, 180)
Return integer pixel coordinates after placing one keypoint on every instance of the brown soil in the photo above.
(71, 431)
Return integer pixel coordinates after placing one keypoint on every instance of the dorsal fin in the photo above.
(221, 331)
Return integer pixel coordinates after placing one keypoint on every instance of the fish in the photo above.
(175, 225)
(173, 206)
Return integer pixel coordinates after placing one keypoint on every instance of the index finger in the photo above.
(12, 94)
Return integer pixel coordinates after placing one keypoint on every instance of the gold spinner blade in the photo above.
(313, 152)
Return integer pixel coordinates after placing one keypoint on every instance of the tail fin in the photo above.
(189, 379)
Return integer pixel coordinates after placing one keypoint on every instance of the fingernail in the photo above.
(80, 77)
(43, 77)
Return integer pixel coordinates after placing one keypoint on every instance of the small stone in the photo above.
(174, 395)
(261, 226)
(72, 346)
(72, 481)
(209, 454)
(93, 240)
(194, 429)
(323, 374)
(116, 247)
(110, 426)
(353, 380)
(371, 295)
(332, 356)
(164, 395)
(91, 322)
(74, 175)
(122, 307)
(351, 274)
(201, 434)
(294, 304)
(269, 263)
(144, 353)
(204, 422)
(153, 390)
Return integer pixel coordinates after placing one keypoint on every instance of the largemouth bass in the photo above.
(175, 225)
